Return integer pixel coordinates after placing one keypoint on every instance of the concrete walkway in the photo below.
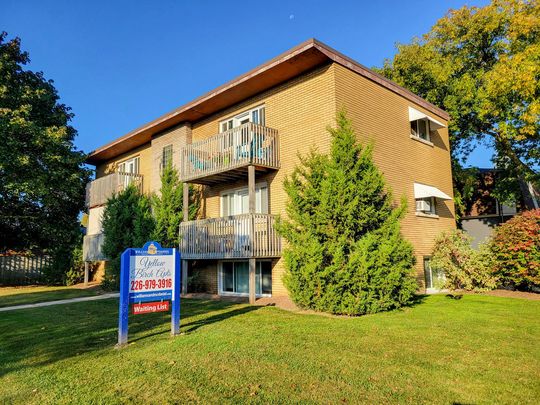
(59, 302)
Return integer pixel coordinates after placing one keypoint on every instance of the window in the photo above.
(126, 169)
(435, 279)
(226, 125)
(129, 166)
(235, 278)
(255, 115)
(166, 156)
(420, 129)
(236, 202)
(426, 205)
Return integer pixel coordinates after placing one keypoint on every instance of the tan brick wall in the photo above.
(177, 136)
(300, 110)
(207, 271)
(382, 116)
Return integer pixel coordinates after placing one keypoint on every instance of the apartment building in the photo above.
(239, 142)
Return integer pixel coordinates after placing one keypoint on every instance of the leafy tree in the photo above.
(168, 207)
(482, 65)
(516, 251)
(42, 178)
(345, 252)
(127, 222)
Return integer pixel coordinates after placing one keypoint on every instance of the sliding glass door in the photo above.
(234, 278)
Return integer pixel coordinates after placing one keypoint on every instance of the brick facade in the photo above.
(301, 109)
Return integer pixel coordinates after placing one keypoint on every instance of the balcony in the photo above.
(92, 247)
(226, 156)
(234, 237)
(101, 189)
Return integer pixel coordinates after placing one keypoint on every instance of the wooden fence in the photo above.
(23, 270)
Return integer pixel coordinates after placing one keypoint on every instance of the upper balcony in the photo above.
(101, 189)
(226, 156)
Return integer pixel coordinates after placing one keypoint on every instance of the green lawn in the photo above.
(30, 295)
(479, 349)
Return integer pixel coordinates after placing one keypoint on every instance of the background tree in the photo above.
(482, 65)
(168, 208)
(345, 252)
(42, 178)
(127, 222)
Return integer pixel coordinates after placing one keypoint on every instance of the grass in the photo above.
(30, 295)
(479, 349)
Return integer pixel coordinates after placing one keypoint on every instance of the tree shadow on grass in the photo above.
(418, 299)
(42, 336)
(200, 322)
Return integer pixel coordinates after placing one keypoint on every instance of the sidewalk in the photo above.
(60, 302)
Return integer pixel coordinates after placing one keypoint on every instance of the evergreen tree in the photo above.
(127, 222)
(345, 252)
(168, 208)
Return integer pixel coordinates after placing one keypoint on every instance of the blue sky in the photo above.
(120, 64)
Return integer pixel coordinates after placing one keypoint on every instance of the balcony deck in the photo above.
(226, 156)
(235, 237)
(101, 189)
(92, 247)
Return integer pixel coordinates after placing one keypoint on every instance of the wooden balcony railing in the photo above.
(101, 189)
(92, 247)
(236, 148)
(237, 236)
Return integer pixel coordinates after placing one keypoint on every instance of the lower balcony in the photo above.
(233, 237)
(92, 247)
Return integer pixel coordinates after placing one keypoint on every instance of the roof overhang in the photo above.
(300, 59)
(425, 191)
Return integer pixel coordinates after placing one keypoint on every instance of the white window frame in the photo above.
(432, 203)
(121, 168)
(416, 134)
(261, 207)
(427, 267)
(236, 294)
(237, 120)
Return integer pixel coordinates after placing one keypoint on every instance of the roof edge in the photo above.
(172, 117)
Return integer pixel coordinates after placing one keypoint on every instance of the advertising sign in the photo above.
(149, 279)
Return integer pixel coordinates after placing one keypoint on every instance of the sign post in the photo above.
(149, 278)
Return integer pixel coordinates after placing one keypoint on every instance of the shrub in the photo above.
(168, 207)
(127, 222)
(464, 267)
(345, 252)
(516, 251)
(75, 274)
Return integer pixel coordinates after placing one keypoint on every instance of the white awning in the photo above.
(424, 191)
(418, 115)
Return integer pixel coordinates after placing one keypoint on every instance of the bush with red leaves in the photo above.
(516, 251)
